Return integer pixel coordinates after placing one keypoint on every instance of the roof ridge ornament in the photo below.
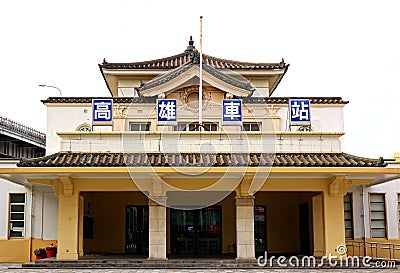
(191, 46)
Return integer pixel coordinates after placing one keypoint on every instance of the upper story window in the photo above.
(17, 215)
(139, 126)
(127, 92)
(251, 126)
(85, 127)
(207, 126)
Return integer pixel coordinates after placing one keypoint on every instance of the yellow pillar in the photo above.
(318, 226)
(80, 233)
(68, 225)
(334, 223)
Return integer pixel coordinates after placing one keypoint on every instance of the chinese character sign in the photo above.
(102, 111)
(166, 112)
(232, 112)
(299, 112)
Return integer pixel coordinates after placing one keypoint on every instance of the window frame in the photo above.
(259, 125)
(384, 213)
(10, 212)
(185, 126)
(141, 124)
(352, 215)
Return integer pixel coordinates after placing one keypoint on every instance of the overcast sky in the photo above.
(335, 48)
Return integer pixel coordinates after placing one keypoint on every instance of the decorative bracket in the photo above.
(68, 185)
(244, 187)
(334, 185)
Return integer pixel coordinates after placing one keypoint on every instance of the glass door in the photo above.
(260, 230)
(196, 231)
(137, 230)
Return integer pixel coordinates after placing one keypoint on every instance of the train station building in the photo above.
(138, 173)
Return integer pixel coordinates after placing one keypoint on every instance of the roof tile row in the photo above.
(267, 100)
(68, 159)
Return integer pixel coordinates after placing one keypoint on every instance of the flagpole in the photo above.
(201, 77)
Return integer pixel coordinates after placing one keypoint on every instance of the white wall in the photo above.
(323, 118)
(391, 190)
(64, 119)
(45, 213)
(6, 188)
(41, 210)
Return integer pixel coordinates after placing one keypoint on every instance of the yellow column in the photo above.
(68, 222)
(334, 223)
(81, 214)
(318, 226)
(245, 228)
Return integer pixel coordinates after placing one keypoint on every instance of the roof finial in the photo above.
(190, 46)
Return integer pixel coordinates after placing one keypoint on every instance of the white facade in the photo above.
(41, 209)
(362, 207)
(326, 118)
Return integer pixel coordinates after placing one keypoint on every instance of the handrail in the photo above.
(22, 130)
(372, 249)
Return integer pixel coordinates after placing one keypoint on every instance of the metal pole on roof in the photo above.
(201, 77)
(51, 86)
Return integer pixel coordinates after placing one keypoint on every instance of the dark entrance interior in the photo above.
(304, 226)
(196, 231)
(260, 230)
(137, 230)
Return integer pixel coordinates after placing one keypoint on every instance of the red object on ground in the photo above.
(51, 252)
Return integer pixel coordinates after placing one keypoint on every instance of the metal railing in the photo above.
(22, 130)
(375, 250)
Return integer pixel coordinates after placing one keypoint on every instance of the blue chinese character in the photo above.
(232, 111)
(102, 110)
(166, 110)
(299, 110)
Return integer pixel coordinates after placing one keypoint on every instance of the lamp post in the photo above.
(51, 86)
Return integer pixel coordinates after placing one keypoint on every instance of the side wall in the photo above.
(41, 213)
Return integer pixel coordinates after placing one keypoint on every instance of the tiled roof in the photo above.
(68, 159)
(89, 99)
(188, 56)
(26, 132)
(246, 85)
(268, 100)
(285, 100)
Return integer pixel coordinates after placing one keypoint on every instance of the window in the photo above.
(251, 126)
(85, 127)
(378, 215)
(139, 126)
(348, 215)
(208, 126)
(127, 92)
(17, 215)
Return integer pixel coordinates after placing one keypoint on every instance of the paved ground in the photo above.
(17, 268)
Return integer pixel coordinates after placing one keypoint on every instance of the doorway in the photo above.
(260, 230)
(137, 230)
(304, 227)
(196, 231)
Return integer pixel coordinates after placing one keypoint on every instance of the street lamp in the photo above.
(51, 86)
